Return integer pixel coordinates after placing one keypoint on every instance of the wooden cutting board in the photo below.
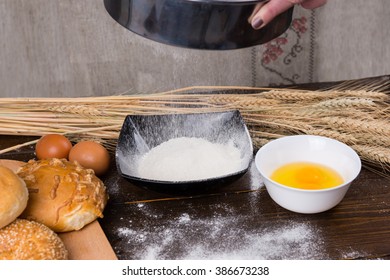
(89, 243)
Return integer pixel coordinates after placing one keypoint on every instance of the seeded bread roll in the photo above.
(63, 195)
(13, 196)
(29, 240)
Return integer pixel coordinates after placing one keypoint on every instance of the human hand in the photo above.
(268, 11)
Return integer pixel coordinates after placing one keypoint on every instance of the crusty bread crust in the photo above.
(29, 240)
(63, 195)
(13, 196)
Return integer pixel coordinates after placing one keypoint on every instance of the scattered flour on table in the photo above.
(255, 179)
(112, 185)
(222, 237)
(189, 158)
(352, 254)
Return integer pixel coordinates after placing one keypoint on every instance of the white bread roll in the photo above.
(13, 196)
(29, 240)
(63, 195)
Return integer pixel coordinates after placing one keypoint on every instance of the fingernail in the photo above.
(257, 23)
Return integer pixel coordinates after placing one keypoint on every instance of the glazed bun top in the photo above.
(13, 198)
(63, 195)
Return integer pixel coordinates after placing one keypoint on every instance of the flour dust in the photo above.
(220, 237)
(190, 158)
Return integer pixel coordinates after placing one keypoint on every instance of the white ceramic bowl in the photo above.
(308, 148)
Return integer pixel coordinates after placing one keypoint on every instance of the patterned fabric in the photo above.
(288, 59)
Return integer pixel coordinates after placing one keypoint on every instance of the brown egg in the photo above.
(53, 146)
(92, 155)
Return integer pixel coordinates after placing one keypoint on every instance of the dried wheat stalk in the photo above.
(356, 113)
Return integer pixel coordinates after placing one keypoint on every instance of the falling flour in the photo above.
(189, 158)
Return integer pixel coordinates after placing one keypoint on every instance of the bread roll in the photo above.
(29, 240)
(63, 195)
(13, 196)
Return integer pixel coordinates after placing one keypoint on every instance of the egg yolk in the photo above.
(306, 175)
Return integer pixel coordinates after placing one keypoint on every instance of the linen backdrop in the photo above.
(70, 48)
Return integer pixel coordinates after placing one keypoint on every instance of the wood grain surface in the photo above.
(238, 220)
(89, 243)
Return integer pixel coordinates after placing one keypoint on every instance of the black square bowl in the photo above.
(141, 133)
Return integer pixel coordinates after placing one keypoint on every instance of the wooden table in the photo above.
(239, 221)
